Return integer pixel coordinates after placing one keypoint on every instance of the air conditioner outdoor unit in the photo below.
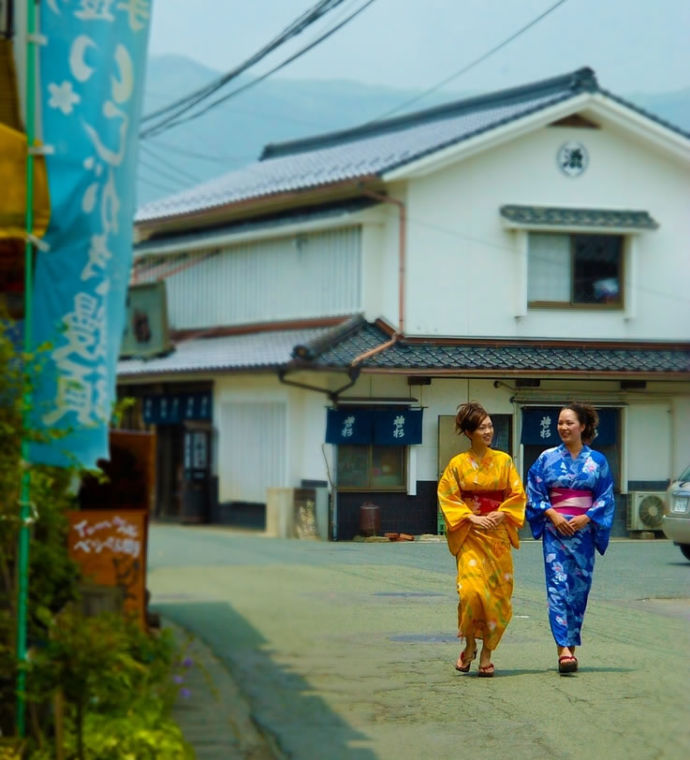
(646, 509)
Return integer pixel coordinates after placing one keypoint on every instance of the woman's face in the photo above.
(484, 434)
(569, 427)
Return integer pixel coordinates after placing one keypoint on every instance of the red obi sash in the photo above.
(487, 501)
(568, 501)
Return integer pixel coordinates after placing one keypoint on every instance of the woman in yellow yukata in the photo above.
(483, 504)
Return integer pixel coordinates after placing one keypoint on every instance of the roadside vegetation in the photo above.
(98, 687)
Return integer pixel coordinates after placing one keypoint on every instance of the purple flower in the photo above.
(188, 662)
(185, 693)
(178, 678)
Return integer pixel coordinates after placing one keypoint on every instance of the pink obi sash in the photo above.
(487, 501)
(568, 501)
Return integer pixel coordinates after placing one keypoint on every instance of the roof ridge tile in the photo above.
(574, 82)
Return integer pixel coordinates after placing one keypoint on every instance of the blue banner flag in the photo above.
(173, 408)
(345, 426)
(92, 74)
(382, 427)
(398, 427)
(540, 427)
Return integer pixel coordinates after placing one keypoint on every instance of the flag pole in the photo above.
(25, 497)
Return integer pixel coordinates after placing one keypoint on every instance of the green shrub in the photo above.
(115, 681)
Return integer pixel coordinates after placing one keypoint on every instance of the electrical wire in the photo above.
(184, 104)
(157, 185)
(194, 154)
(295, 28)
(177, 118)
(161, 172)
(167, 164)
(470, 65)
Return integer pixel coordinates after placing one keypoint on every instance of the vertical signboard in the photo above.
(92, 73)
(110, 548)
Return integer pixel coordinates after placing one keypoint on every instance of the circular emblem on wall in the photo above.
(572, 158)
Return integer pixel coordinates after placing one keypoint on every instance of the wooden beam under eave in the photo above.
(498, 374)
(252, 208)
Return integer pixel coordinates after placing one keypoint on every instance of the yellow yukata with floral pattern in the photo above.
(484, 559)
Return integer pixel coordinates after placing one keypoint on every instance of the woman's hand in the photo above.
(496, 518)
(561, 525)
(481, 521)
(490, 521)
(578, 522)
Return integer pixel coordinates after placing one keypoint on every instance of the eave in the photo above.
(251, 208)
(593, 106)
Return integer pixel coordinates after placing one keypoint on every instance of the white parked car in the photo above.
(676, 522)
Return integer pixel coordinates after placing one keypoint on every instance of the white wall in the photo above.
(307, 434)
(681, 434)
(378, 298)
(268, 435)
(464, 266)
(648, 439)
(655, 432)
(314, 275)
(655, 435)
(443, 396)
(250, 415)
(381, 261)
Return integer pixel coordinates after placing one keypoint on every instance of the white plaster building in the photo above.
(523, 248)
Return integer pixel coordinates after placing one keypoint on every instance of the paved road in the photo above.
(346, 650)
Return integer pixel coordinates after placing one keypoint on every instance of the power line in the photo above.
(166, 163)
(194, 154)
(470, 65)
(177, 118)
(181, 106)
(157, 185)
(295, 28)
(162, 173)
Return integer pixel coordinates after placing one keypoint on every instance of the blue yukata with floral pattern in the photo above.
(569, 560)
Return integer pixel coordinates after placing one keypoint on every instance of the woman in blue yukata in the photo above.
(570, 505)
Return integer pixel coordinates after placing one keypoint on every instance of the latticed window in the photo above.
(575, 270)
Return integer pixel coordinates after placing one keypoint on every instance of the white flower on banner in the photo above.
(92, 10)
(138, 11)
(63, 97)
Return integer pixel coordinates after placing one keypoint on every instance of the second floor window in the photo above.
(575, 270)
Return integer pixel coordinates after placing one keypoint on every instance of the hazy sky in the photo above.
(633, 45)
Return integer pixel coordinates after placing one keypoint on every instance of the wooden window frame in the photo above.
(402, 488)
(619, 305)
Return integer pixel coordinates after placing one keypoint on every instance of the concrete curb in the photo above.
(211, 710)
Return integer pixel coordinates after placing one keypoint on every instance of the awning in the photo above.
(554, 217)
(540, 426)
(433, 357)
(174, 408)
(13, 183)
(382, 427)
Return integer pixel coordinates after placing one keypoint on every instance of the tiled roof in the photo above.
(481, 356)
(370, 150)
(254, 351)
(551, 216)
(336, 347)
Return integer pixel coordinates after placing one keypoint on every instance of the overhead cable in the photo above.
(164, 162)
(295, 28)
(470, 65)
(175, 118)
(214, 157)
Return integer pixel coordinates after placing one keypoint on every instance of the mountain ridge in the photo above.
(279, 110)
